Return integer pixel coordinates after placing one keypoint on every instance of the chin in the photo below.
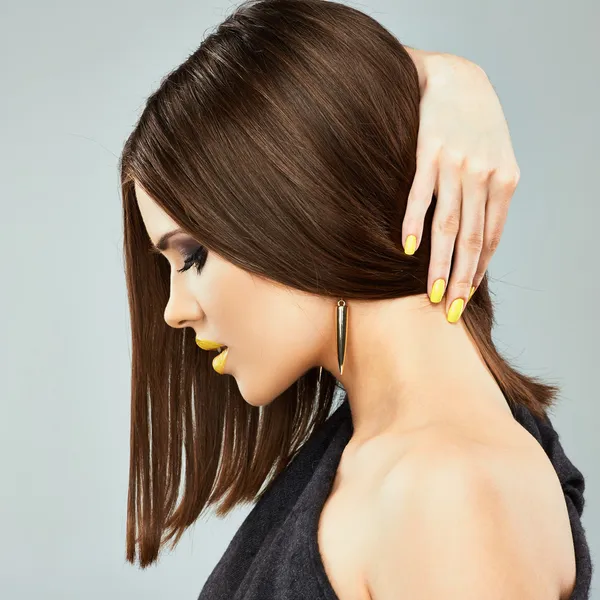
(256, 395)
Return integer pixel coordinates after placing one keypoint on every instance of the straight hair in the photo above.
(286, 143)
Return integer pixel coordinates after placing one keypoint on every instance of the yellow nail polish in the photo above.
(456, 309)
(410, 245)
(437, 291)
(472, 292)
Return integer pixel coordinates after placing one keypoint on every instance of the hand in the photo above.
(464, 157)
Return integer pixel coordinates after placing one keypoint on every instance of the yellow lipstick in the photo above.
(209, 344)
(218, 362)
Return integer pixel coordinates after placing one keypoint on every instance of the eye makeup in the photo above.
(197, 257)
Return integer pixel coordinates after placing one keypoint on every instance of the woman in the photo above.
(280, 161)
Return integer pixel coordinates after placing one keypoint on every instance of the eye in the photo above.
(198, 258)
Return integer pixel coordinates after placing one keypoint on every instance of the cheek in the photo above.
(262, 376)
(268, 362)
(273, 334)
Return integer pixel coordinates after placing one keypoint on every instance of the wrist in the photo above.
(438, 65)
(441, 67)
(420, 59)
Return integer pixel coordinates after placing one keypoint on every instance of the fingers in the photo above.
(419, 199)
(444, 227)
(471, 210)
(469, 242)
(501, 190)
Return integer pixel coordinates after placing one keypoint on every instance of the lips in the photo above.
(209, 344)
(218, 362)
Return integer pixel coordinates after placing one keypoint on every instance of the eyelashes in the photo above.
(198, 258)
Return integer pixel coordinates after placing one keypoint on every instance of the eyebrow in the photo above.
(163, 243)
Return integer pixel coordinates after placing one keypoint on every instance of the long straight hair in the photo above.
(286, 143)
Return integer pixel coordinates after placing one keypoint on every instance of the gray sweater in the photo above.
(274, 554)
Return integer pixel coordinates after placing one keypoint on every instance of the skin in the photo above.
(393, 390)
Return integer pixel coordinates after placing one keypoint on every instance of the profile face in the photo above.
(274, 333)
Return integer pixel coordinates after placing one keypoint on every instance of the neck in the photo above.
(407, 367)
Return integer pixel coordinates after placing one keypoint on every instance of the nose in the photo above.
(182, 308)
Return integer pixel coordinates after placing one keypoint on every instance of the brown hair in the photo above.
(286, 143)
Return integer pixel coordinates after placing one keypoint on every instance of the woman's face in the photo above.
(274, 333)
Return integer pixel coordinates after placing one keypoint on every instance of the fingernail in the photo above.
(410, 244)
(456, 309)
(437, 291)
(472, 292)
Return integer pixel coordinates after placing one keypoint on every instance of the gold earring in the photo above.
(342, 333)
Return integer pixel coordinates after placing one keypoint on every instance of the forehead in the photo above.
(156, 220)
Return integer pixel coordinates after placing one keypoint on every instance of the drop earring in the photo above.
(342, 333)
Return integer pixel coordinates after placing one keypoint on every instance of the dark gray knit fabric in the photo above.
(274, 554)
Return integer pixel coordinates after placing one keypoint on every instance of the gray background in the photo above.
(74, 79)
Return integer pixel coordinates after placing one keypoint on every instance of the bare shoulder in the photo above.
(478, 507)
